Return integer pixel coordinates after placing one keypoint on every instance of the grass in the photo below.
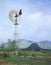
(27, 58)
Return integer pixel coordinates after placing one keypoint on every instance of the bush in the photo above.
(5, 55)
(0, 55)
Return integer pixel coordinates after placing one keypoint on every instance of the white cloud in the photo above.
(35, 16)
(39, 26)
(34, 25)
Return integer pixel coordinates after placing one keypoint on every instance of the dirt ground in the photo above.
(11, 64)
(8, 64)
(2, 62)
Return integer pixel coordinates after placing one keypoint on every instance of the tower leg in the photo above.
(16, 35)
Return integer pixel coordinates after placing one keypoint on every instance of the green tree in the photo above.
(11, 44)
(2, 45)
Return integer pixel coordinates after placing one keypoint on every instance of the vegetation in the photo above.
(9, 55)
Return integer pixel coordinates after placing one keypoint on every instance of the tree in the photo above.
(2, 46)
(11, 44)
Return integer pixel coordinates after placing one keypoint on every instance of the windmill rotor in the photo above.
(16, 13)
(11, 13)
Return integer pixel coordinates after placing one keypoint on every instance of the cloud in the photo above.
(39, 26)
(35, 23)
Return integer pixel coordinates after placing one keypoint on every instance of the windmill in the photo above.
(14, 16)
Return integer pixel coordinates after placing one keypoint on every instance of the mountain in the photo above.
(24, 43)
(45, 44)
(30, 45)
(33, 46)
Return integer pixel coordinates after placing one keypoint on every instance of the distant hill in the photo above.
(30, 45)
(27, 43)
(45, 44)
(33, 46)
(24, 43)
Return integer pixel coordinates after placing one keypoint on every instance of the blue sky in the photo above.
(35, 23)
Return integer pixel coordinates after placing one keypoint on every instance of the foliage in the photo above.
(38, 58)
(10, 45)
(10, 54)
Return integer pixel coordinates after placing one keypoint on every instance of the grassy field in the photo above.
(25, 58)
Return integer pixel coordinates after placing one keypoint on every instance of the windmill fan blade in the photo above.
(20, 12)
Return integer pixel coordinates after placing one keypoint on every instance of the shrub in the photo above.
(4, 55)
